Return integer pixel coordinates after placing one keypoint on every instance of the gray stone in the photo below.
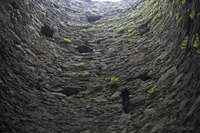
(40, 87)
(137, 99)
(149, 111)
(124, 118)
(115, 95)
(159, 125)
(100, 99)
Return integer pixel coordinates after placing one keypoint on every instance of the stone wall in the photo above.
(88, 67)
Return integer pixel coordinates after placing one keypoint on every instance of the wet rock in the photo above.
(47, 31)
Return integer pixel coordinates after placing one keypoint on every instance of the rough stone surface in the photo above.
(48, 86)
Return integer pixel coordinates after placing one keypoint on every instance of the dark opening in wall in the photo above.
(93, 18)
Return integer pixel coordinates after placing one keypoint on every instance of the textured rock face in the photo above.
(140, 75)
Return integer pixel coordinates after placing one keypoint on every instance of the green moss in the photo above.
(159, 14)
(130, 35)
(84, 30)
(131, 29)
(183, 1)
(197, 43)
(55, 53)
(178, 18)
(152, 90)
(131, 32)
(185, 42)
(67, 40)
(198, 51)
(80, 65)
(192, 14)
(158, 58)
(171, 13)
(44, 13)
(84, 74)
(121, 30)
(62, 24)
(162, 62)
(97, 86)
(153, 1)
(135, 15)
(113, 80)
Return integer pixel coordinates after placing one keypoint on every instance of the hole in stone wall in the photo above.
(126, 100)
(93, 18)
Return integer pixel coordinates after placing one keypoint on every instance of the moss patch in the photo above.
(62, 24)
(185, 42)
(84, 74)
(113, 80)
(67, 40)
(152, 90)
(197, 43)
(192, 14)
(80, 65)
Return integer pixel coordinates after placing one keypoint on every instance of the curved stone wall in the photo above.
(79, 66)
